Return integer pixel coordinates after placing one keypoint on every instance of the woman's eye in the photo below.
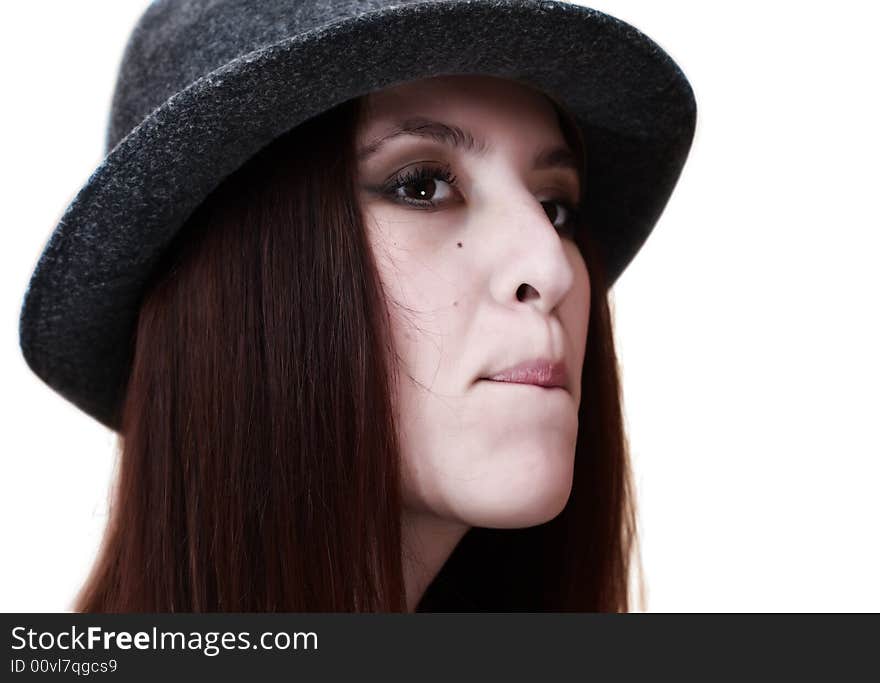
(562, 215)
(426, 187)
(422, 186)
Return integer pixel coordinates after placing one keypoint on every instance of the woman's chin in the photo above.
(521, 509)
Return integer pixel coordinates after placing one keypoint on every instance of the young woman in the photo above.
(373, 369)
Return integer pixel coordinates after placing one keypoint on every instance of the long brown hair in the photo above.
(259, 462)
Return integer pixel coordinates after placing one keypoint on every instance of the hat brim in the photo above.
(635, 107)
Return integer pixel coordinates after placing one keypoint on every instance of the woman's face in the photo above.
(481, 274)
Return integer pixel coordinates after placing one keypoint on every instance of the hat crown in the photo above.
(176, 42)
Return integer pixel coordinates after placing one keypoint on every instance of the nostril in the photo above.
(524, 290)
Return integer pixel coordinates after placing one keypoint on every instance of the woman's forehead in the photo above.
(485, 102)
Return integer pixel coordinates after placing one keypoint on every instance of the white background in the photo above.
(747, 326)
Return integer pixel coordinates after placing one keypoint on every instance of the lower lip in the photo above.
(522, 384)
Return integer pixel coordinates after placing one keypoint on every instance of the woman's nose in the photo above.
(530, 260)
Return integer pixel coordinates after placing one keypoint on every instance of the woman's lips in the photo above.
(542, 372)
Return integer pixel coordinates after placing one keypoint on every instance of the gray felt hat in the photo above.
(205, 84)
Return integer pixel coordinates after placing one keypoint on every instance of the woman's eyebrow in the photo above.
(459, 138)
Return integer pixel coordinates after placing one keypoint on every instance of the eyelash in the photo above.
(444, 173)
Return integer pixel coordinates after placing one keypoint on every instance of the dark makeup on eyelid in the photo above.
(559, 180)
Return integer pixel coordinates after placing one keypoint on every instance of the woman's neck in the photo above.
(427, 542)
